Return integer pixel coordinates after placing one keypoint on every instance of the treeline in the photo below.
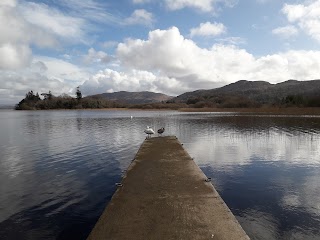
(34, 102)
(222, 102)
(301, 101)
(227, 101)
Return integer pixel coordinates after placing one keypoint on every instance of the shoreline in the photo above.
(261, 110)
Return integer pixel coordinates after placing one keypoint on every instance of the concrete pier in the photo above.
(164, 195)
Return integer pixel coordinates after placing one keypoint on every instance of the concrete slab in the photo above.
(164, 196)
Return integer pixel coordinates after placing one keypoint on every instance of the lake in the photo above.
(58, 169)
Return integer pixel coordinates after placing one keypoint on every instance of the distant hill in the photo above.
(258, 91)
(134, 97)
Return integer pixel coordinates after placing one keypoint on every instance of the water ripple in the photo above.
(58, 169)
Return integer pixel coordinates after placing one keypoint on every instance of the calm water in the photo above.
(58, 169)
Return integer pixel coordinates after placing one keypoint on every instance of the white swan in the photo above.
(149, 131)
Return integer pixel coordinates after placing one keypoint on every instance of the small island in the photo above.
(33, 101)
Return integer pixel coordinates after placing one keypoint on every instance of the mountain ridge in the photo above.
(142, 97)
(262, 92)
(241, 94)
(257, 92)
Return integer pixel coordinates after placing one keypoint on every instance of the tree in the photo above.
(31, 97)
(78, 93)
(50, 95)
(29, 102)
(47, 96)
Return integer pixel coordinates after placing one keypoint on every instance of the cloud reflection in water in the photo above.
(267, 171)
(58, 168)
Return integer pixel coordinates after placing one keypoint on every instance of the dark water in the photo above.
(58, 169)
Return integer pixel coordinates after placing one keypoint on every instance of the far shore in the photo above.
(262, 110)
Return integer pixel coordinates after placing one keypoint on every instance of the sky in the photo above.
(167, 46)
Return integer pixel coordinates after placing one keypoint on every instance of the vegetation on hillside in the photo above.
(244, 94)
(235, 96)
(33, 101)
(301, 101)
(228, 101)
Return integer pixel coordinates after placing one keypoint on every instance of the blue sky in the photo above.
(168, 46)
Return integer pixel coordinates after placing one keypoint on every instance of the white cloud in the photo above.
(294, 12)
(109, 80)
(140, 1)
(8, 3)
(19, 30)
(63, 70)
(44, 74)
(165, 50)
(16, 84)
(33, 24)
(38, 67)
(168, 53)
(208, 29)
(14, 56)
(25, 25)
(306, 16)
(91, 10)
(94, 56)
(67, 56)
(140, 16)
(53, 20)
(16, 38)
(203, 5)
(286, 32)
